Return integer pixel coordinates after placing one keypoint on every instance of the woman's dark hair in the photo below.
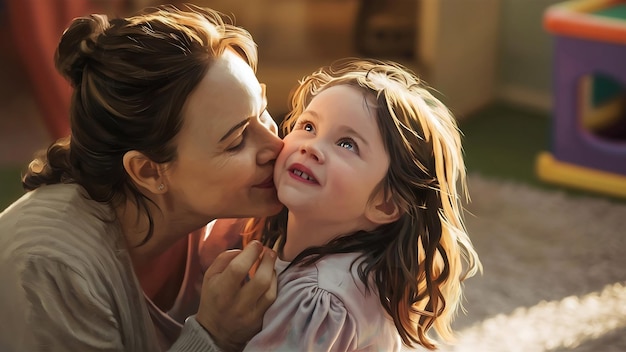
(416, 263)
(131, 77)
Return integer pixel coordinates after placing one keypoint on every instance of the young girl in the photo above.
(372, 246)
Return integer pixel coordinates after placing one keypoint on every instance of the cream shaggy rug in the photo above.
(554, 271)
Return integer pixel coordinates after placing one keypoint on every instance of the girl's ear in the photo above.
(144, 172)
(382, 211)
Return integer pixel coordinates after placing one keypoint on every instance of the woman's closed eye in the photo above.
(239, 142)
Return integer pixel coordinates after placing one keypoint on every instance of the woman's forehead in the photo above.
(228, 94)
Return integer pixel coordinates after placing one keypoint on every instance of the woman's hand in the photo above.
(232, 307)
(219, 236)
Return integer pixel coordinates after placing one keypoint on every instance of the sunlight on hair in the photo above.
(36, 165)
(548, 326)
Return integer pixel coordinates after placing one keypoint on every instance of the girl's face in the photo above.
(332, 161)
(226, 148)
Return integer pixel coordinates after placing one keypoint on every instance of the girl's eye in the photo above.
(349, 144)
(304, 125)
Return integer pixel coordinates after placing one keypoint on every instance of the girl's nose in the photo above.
(313, 151)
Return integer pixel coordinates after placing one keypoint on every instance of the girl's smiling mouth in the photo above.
(302, 173)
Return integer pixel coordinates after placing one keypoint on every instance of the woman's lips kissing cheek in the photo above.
(268, 183)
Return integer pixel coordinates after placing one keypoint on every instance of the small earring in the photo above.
(161, 187)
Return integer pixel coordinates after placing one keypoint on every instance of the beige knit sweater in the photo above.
(67, 282)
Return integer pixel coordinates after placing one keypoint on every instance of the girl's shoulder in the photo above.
(336, 275)
(329, 294)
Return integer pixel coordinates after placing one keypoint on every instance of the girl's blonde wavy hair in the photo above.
(418, 262)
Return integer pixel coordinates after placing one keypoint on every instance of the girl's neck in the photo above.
(304, 232)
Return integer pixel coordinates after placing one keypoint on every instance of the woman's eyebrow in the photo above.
(235, 128)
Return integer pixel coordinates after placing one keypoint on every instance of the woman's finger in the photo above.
(237, 270)
(260, 291)
(221, 262)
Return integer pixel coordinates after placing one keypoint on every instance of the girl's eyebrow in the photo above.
(235, 128)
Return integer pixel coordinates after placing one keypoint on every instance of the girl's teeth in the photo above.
(302, 174)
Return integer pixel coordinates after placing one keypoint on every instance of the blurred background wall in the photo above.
(524, 58)
(473, 52)
(451, 44)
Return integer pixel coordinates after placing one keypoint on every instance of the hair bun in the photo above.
(77, 44)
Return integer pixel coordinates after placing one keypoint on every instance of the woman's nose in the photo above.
(269, 123)
(270, 146)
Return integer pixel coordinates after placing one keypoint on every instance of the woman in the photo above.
(169, 132)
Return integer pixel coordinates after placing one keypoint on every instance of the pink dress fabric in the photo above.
(325, 307)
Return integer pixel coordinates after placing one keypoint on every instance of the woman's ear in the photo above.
(144, 172)
(382, 210)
